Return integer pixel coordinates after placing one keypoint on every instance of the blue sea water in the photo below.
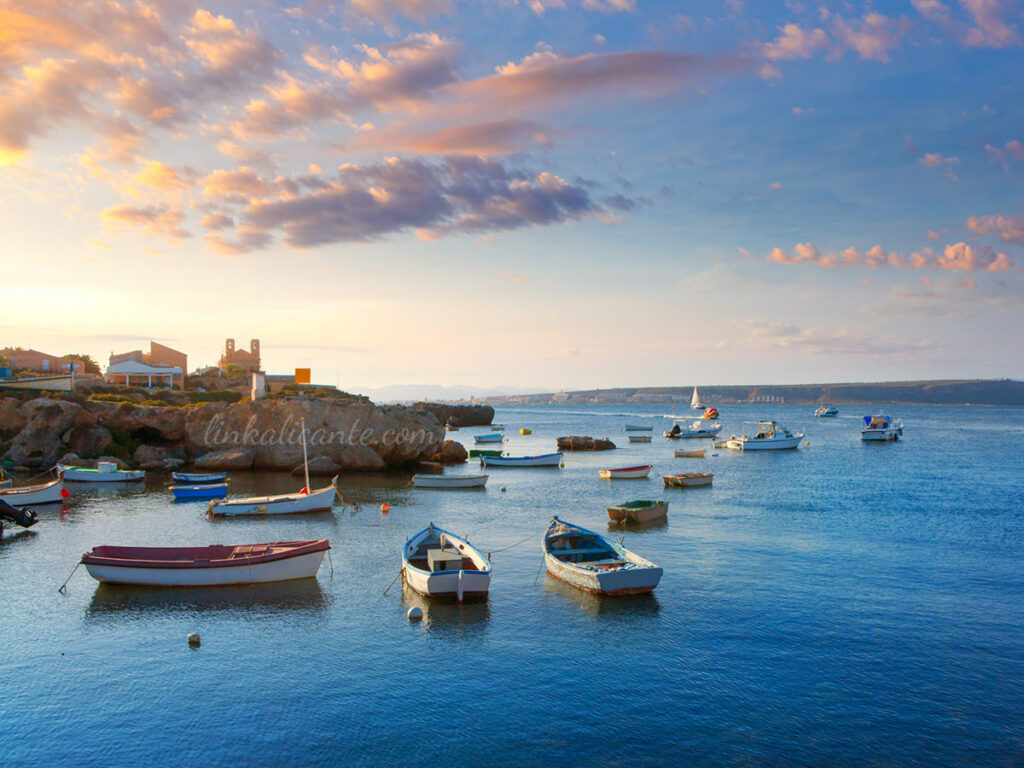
(841, 604)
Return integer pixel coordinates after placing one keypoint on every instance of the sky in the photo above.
(519, 193)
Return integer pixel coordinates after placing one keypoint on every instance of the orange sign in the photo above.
(302, 375)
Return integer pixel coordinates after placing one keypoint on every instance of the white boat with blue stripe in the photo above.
(593, 563)
(490, 437)
(437, 563)
(543, 460)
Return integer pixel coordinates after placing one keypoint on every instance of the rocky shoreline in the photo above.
(341, 433)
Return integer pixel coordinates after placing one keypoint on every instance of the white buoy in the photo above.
(193, 639)
(415, 613)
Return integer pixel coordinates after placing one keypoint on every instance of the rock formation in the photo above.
(459, 415)
(580, 443)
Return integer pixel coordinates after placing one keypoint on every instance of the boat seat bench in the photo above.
(588, 551)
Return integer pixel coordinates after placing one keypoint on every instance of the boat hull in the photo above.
(481, 439)
(627, 473)
(462, 584)
(296, 567)
(638, 428)
(639, 438)
(453, 481)
(547, 460)
(293, 504)
(81, 475)
(880, 435)
(694, 480)
(772, 444)
(634, 581)
(212, 491)
(34, 495)
(199, 478)
(644, 514)
(695, 454)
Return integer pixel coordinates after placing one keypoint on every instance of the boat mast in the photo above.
(305, 456)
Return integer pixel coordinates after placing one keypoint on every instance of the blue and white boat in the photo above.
(199, 478)
(591, 562)
(881, 429)
(490, 437)
(440, 564)
(544, 460)
(208, 491)
(825, 410)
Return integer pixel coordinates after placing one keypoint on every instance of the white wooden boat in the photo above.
(770, 436)
(638, 428)
(29, 495)
(449, 481)
(544, 460)
(199, 478)
(698, 453)
(696, 429)
(639, 438)
(626, 473)
(881, 429)
(492, 437)
(824, 411)
(687, 480)
(438, 563)
(206, 566)
(284, 504)
(642, 511)
(496, 427)
(591, 562)
(105, 472)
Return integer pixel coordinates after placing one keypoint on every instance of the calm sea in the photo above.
(842, 604)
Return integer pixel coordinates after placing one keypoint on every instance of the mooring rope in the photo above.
(63, 587)
(511, 546)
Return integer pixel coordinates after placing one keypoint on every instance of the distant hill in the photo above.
(954, 392)
(408, 393)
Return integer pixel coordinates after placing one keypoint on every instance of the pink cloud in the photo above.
(1013, 150)
(959, 256)
(493, 138)
(795, 42)
(163, 220)
(1009, 228)
(872, 37)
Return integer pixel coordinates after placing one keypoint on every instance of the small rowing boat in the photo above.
(320, 500)
(687, 479)
(544, 460)
(437, 563)
(642, 511)
(105, 472)
(698, 453)
(626, 473)
(199, 478)
(492, 437)
(591, 562)
(637, 428)
(206, 566)
(29, 495)
(476, 453)
(449, 481)
(639, 438)
(208, 491)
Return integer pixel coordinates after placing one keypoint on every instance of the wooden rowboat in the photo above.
(208, 491)
(476, 453)
(105, 472)
(285, 504)
(626, 473)
(199, 478)
(206, 566)
(449, 481)
(544, 460)
(438, 563)
(639, 438)
(592, 563)
(637, 428)
(687, 479)
(642, 511)
(698, 453)
(493, 437)
(29, 495)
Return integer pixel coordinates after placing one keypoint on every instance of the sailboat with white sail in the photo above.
(695, 402)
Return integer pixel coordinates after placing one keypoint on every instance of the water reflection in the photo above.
(624, 606)
(629, 526)
(301, 595)
(446, 617)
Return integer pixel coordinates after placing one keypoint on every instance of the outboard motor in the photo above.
(22, 516)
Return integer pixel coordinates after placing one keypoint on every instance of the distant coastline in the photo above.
(942, 392)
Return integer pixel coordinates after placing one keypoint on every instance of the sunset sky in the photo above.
(548, 193)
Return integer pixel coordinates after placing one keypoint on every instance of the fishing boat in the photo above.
(626, 473)
(449, 481)
(525, 431)
(496, 427)
(199, 478)
(824, 410)
(475, 453)
(31, 495)
(642, 511)
(592, 563)
(687, 480)
(207, 491)
(544, 460)
(637, 428)
(206, 566)
(105, 472)
(698, 428)
(320, 500)
(881, 429)
(697, 453)
(695, 403)
(437, 563)
(491, 437)
(770, 436)
(639, 438)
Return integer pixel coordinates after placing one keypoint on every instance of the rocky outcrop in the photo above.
(319, 466)
(46, 422)
(459, 415)
(580, 443)
(232, 458)
(451, 453)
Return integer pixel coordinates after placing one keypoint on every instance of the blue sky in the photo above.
(556, 193)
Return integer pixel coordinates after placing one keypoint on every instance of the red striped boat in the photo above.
(626, 473)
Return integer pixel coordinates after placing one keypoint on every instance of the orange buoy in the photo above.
(385, 508)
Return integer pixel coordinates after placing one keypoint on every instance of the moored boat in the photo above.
(476, 453)
(639, 438)
(696, 429)
(626, 473)
(695, 403)
(206, 566)
(199, 478)
(105, 472)
(593, 563)
(641, 511)
(770, 436)
(881, 429)
(698, 453)
(687, 479)
(30, 495)
(449, 481)
(825, 410)
(543, 460)
(637, 428)
(438, 563)
(207, 491)
(492, 437)
(320, 500)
